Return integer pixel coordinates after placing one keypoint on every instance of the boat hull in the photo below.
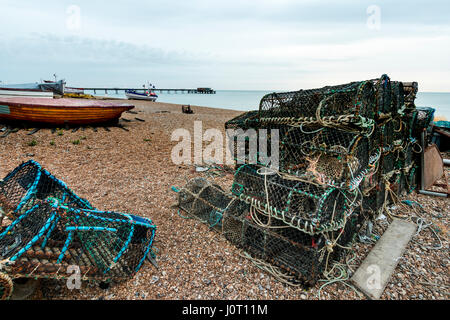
(25, 93)
(60, 111)
(134, 96)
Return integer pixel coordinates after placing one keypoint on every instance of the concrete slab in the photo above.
(374, 273)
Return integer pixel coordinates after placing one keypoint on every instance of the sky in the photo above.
(227, 45)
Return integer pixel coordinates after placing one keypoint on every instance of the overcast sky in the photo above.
(232, 44)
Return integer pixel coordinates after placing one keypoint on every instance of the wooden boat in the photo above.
(60, 111)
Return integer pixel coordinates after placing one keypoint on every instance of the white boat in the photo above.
(47, 89)
(4, 92)
(73, 90)
(147, 95)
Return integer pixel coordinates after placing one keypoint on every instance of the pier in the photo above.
(162, 90)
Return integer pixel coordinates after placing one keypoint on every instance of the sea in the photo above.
(246, 100)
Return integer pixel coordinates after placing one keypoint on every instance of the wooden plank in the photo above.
(374, 273)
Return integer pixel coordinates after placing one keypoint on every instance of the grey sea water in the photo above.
(245, 100)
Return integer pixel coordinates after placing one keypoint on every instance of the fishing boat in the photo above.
(147, 95)
(11, 92)
(46, 89)
(60, 111)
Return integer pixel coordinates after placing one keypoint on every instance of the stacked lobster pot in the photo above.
(342, 151)
(47, 231)
(303, 213)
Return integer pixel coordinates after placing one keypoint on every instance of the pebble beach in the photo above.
(132, 171)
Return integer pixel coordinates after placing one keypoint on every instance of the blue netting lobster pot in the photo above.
(29, 182)
(45, 228)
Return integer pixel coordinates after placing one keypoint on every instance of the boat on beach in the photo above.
(147, 95)
(60, 111)
(11, 92)
(46, 89)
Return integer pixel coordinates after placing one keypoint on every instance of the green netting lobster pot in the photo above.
(204, 200)
(374, 200)
(397, 97)
(411, 178)
(297, 257)
(387, 161)
(384, 134)
(383, 95)
(300, 204)
(297, 253)
(400, 129)
(330, 155)
(354, 98)
(250, 145)
(397, 184)
(410, 120)
(410, 90)
(406, 154)
(244, 121)
(423, 120)
(50, 237)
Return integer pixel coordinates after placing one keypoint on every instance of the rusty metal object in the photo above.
(433, 166)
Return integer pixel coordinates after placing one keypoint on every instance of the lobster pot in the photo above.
(424, 118)
(48, 228)
(387, 162)
(405, 156)
(51, 236)
(410, 91)
(396, 184)
(411, 179)
(354, 98)
(400, 129)
(247, 145)
(410, 119)
(382, 87)
(115, 244)
(397, 97)
(296, 253)
(384, 135)
(331, 155)
(16, 234)
(297, 203)
(28, 183)
(244, 121)
(374, 200)
(204, 200)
